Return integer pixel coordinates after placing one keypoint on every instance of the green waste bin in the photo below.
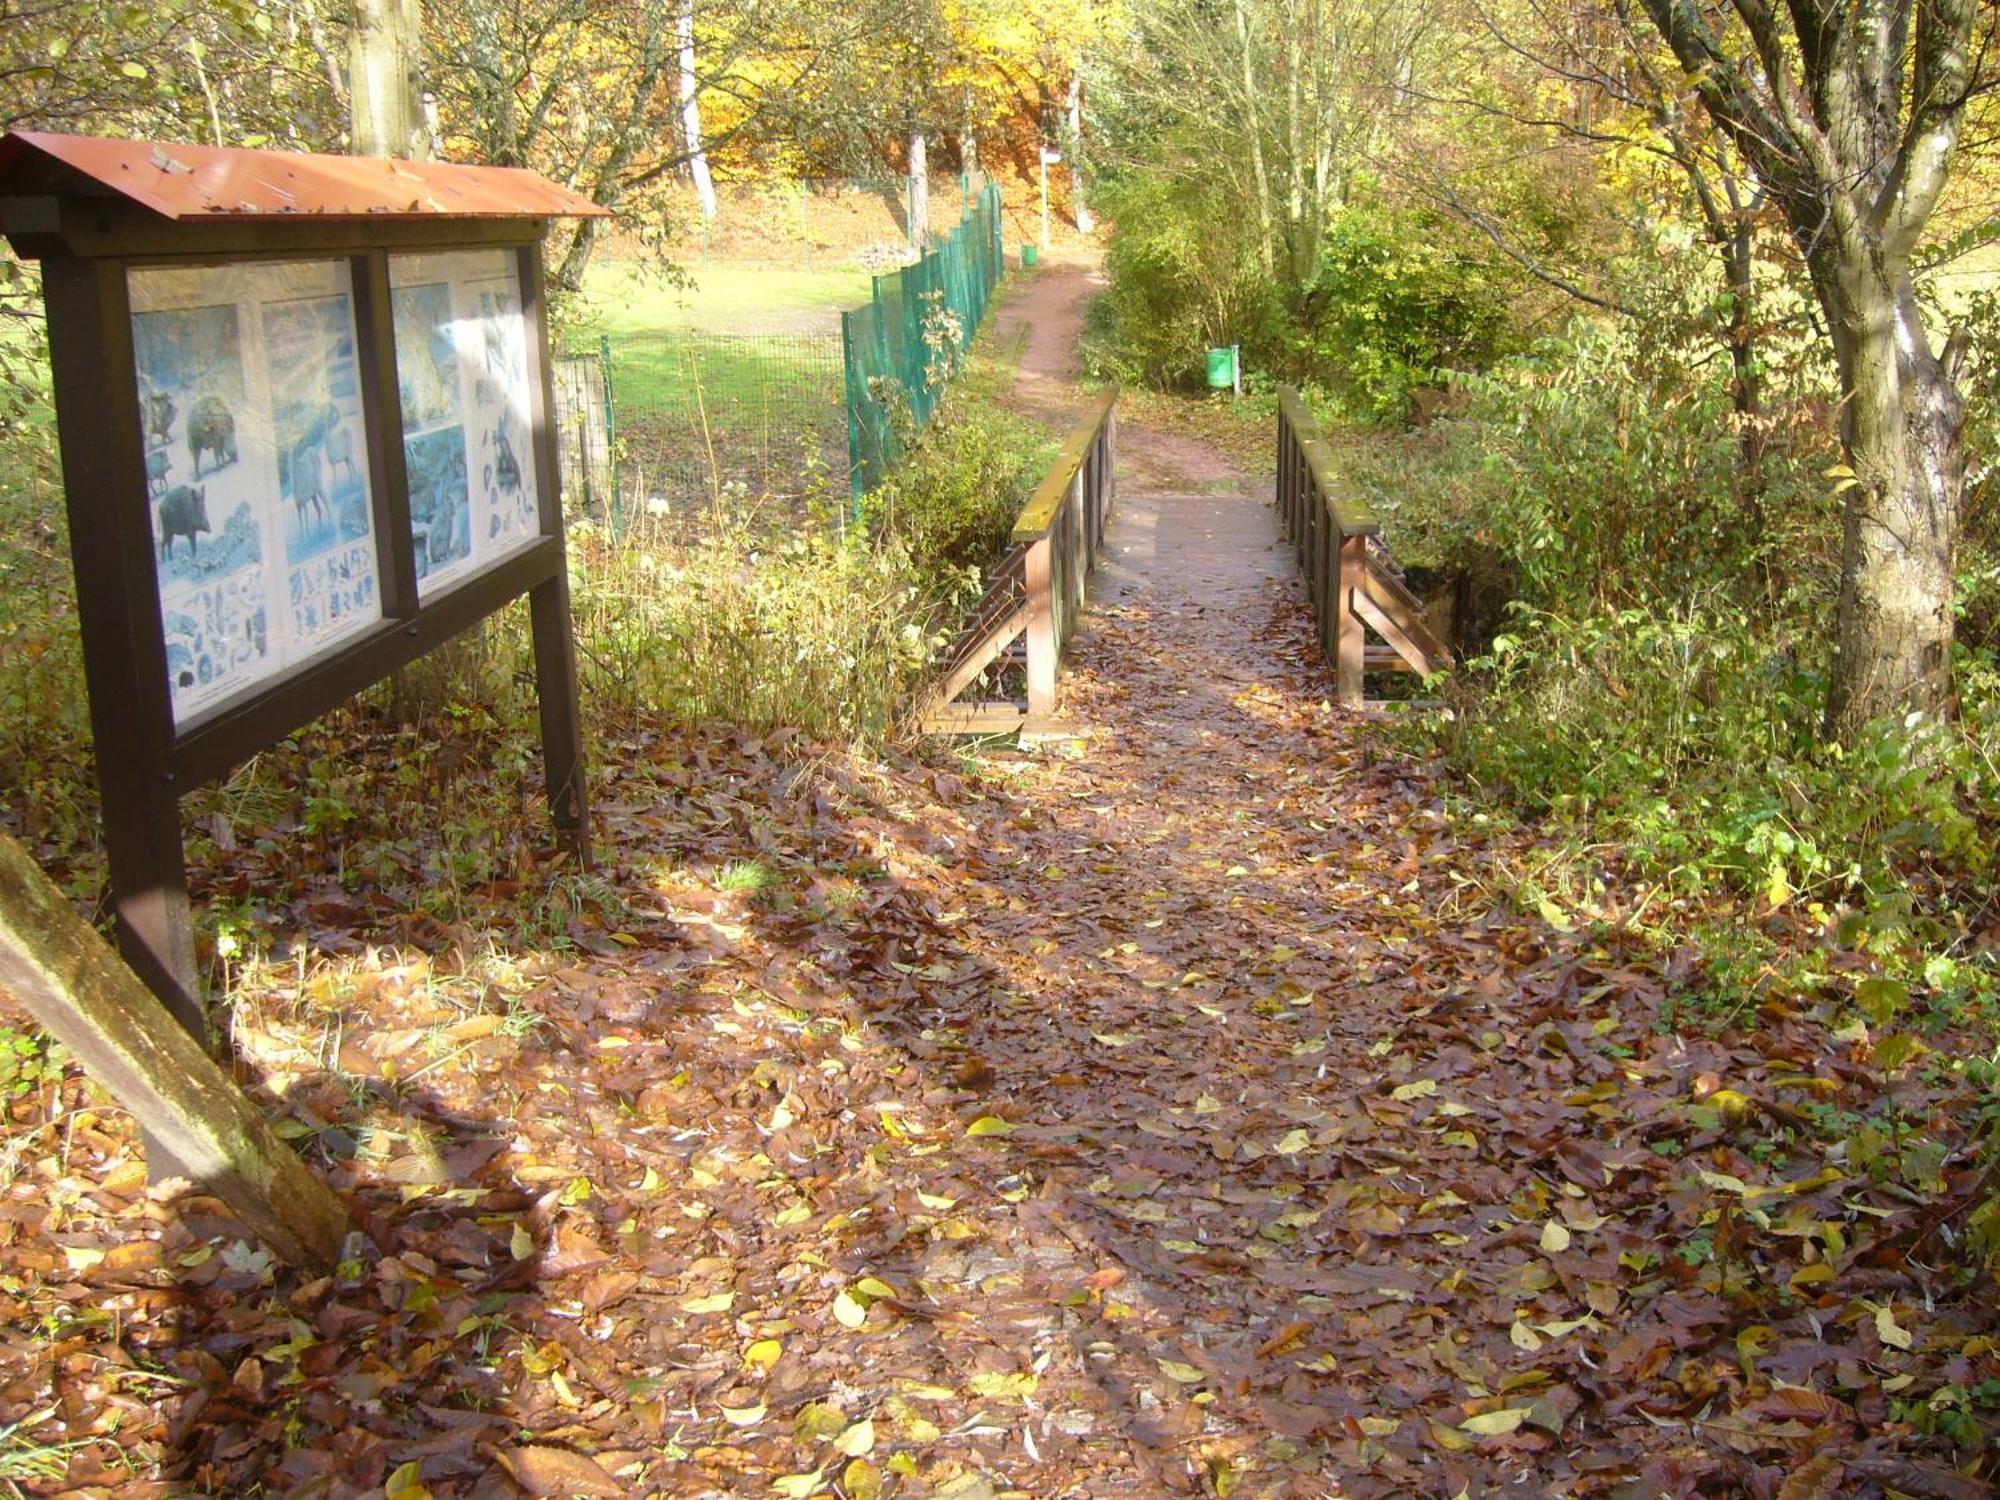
(1031, 255)
(1222, 369)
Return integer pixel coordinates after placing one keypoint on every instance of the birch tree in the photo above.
(1286, 98)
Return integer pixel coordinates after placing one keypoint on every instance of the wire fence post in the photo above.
(611, 437)
(854, 482)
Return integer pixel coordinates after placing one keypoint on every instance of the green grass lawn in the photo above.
(626, 298)
(743, 363)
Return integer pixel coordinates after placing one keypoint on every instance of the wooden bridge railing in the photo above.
(1353, 590)
(1031, 607)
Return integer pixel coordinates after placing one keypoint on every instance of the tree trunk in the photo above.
(697, 157)
(1254, 126)
(1081, 210)
(1902, 426)
(385, 116)
(920, 193)
(54, 964)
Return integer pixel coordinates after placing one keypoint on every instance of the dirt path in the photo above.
(1044, 319)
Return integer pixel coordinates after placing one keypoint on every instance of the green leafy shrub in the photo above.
(1599, 490)
(1397, 301)
(1397, 298)
(952, 499)
(1183, 277)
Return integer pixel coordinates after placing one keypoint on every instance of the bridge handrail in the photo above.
(1038, 590)
(1353, 515)
(1039, 514)
(1352, 590)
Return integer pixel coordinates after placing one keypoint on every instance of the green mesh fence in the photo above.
(897, 345)
(702, 415)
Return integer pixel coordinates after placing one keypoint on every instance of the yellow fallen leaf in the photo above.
(1555, 1238)
(520, 1243)
(817, 1421)
(1495, 1423)
(1892, 1334)
(798, 1486)
(1450, 1438)
(744, 1416)
(1423, 1088)
(1186, 1374)
(763, 1354)
(989, 1125)
(1001, 1383)
(857, 1440)
(1294, 1142)
(1817, 1274)
(848, 1311)
(861, 1480)
(873, 1286)
(714, 1303)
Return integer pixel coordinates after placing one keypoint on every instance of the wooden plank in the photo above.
(1351, 640)
(1396, 601)
(124, 645)
(1397, 617)
(1373, 615)
(549, 618)
(988, 651)
(1384, 659)
(54, 963)
(1043, 647)
(976, 718)
(1040, 513)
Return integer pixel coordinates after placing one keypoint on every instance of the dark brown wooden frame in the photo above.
(145, 764)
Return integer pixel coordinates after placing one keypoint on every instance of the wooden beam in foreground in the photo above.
(54, 964)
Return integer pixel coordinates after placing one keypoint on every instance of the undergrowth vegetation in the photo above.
(1653, 695)
(1396, 297)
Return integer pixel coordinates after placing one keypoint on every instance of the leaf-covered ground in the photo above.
(1177, 1113)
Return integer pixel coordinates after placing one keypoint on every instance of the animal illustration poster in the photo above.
(328, 521)
(256, 474)
(462, 365)
(432, 398)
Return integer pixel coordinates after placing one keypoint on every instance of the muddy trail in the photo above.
(1176, 1114)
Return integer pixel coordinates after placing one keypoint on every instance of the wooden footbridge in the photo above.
(1001, 674)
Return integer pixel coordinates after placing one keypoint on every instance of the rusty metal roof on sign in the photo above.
(214, 182)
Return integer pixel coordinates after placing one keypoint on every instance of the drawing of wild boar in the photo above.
(157, 407)
(183, 512)
(159, 463)
(211, 426)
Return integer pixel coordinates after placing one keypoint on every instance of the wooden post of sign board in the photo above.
(131, 714)
(54, 964)
(548, 602)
